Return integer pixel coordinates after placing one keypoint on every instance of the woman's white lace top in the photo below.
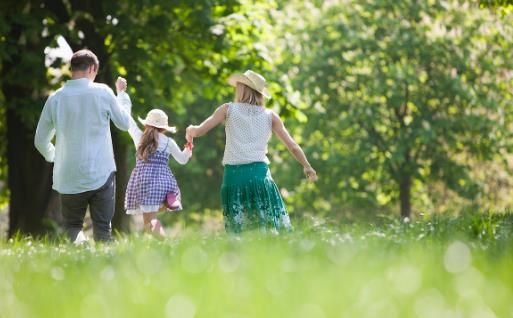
(248, 130)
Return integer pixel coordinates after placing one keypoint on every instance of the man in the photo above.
(79, 116)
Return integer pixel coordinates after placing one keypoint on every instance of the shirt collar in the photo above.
(78, 82)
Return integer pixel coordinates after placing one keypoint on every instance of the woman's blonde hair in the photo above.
(245, 94)
(149, 142)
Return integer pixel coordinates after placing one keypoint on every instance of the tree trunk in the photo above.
(121, 221)
(33, 205)
(405, 196)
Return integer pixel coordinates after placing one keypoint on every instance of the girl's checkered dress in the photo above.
(150, 181)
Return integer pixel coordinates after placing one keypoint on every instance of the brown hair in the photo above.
(245, 94)
(149, 142)
(83, 59)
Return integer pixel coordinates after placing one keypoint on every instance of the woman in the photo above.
(250, 198)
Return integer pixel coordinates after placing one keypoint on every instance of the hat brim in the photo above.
(168, 128)
(241, 78)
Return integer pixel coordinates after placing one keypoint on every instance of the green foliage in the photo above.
(377, 92)
(427, 268)
(404, 93)
(496, 3)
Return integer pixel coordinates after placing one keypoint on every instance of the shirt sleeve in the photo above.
(44, 133)
(120, 109)
(181, 156)
(124, 101)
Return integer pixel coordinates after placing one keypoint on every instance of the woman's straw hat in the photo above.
(157, 118)
(251, 79)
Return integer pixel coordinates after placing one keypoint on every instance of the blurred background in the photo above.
(403, 107)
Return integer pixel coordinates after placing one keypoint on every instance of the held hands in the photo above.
(121, 84)
(189, 134)
(310, 173)
(187, 148)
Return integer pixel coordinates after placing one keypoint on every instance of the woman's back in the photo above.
(248, 130)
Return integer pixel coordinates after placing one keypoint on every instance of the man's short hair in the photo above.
(83, 59)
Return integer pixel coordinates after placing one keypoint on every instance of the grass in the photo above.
(437, 267)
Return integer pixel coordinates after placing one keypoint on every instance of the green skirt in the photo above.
(251, 200)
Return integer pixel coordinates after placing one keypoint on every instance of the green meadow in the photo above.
(433, 267)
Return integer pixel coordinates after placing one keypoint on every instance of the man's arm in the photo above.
(120, 106)
(44, 133)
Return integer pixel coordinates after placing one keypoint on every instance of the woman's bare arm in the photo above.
(213, 120)
(292, 146)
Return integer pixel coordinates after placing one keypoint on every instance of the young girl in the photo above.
(151, 180)
(250, 198)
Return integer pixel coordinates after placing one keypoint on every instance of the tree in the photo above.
(405, 94)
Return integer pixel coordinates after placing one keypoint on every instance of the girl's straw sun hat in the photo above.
(157, 118)
(251, 79)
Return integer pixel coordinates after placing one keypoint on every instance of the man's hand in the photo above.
(121, 84)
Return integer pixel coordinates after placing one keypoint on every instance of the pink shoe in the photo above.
(173, 201)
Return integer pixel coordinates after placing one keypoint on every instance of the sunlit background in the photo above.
(403, 108)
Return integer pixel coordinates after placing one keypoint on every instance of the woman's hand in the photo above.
(310, 173)
(190, 133)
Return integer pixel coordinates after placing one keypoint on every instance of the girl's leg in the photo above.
(147, 221)
(152, 224)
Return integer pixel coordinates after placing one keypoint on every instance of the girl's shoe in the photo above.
(155, 226)
(156, 229)
(173, 202)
